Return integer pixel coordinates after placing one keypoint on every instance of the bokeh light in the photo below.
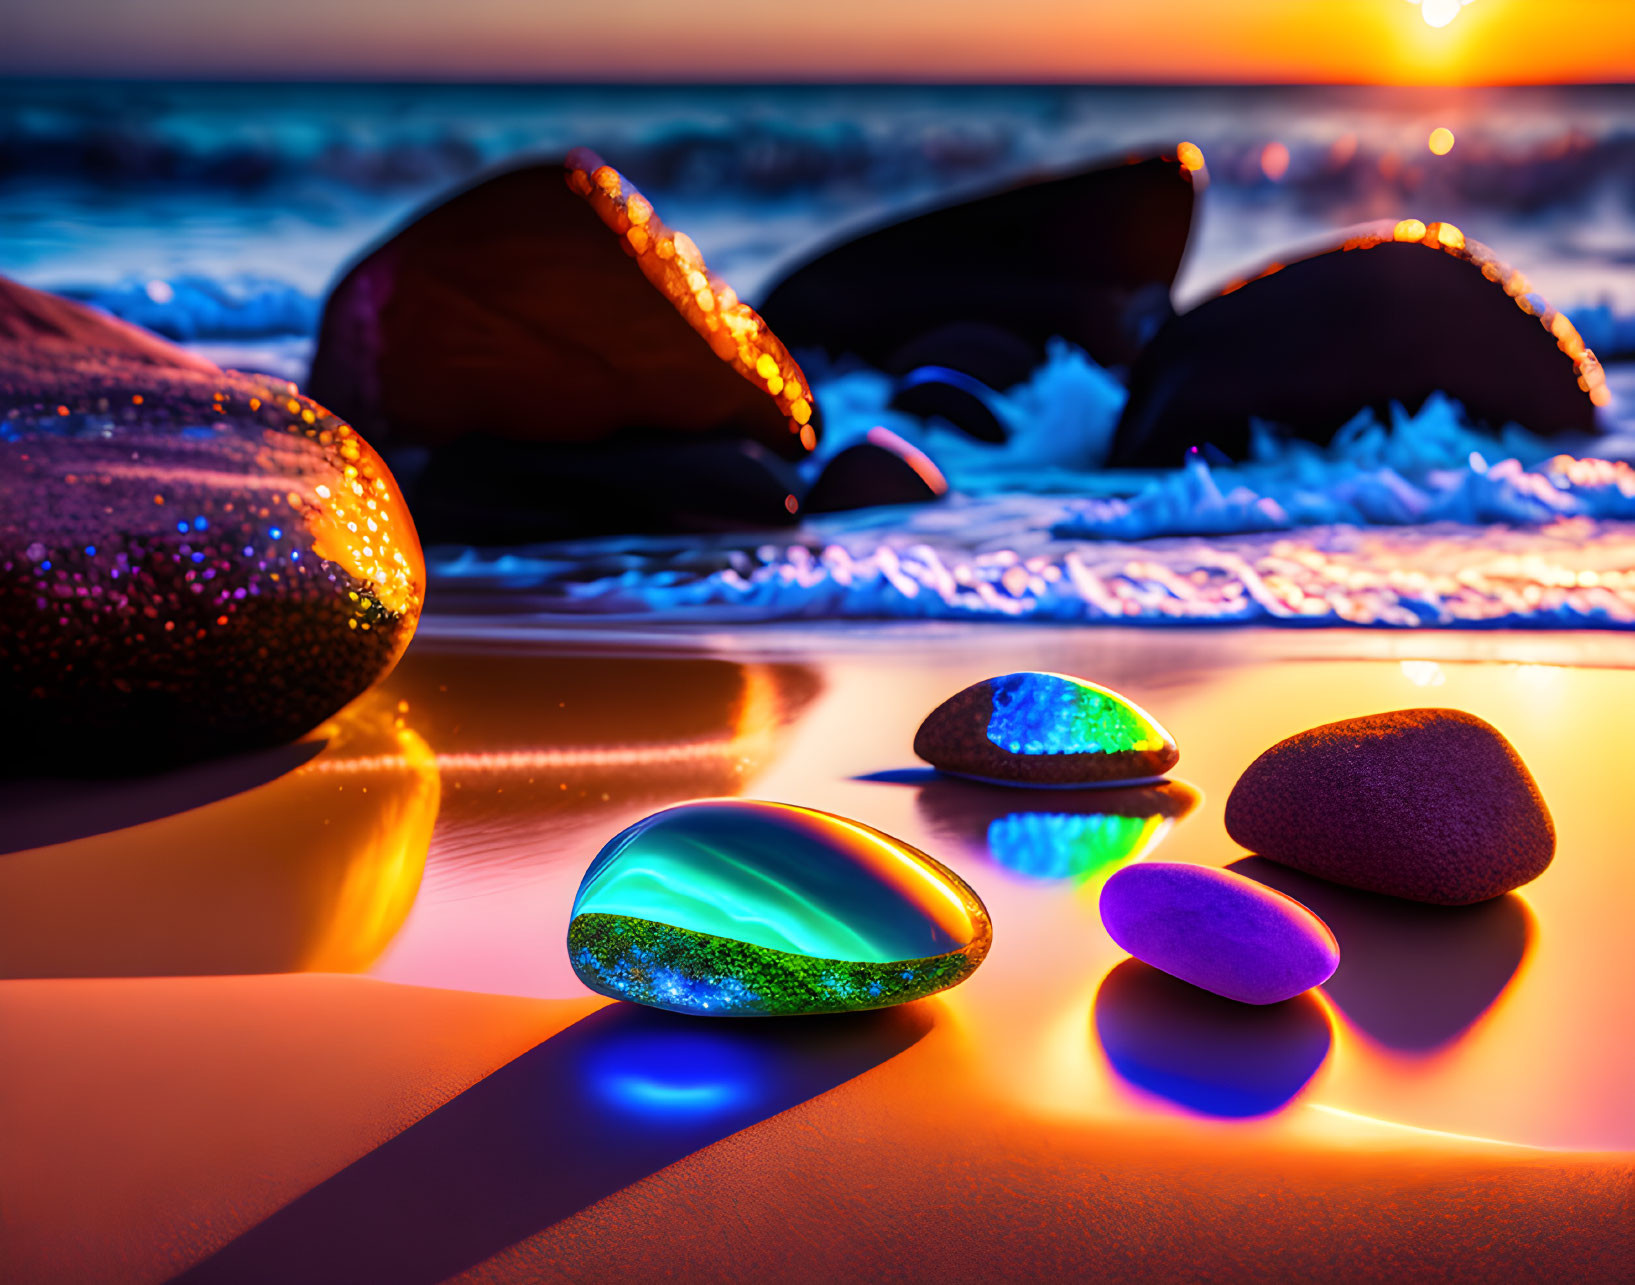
(1274, 161)
(1440, 141)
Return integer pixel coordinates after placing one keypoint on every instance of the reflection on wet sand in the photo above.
(1069, 834)
(1413, 977)
(543, 759)
(528, 736)
(1211, 1055)
(313, 868)
(607, 1102)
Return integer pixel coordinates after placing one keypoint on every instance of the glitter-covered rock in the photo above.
(1088, 256)
(1428, 804)
(1389, 317)
(1218, 930)
(1045, 730)
(732, 908)
(192, 562)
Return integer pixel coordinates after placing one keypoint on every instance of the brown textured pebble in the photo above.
(192, 561)
(1428, 804)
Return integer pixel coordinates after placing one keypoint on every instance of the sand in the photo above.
(398, 1081)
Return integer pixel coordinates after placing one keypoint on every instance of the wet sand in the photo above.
(301, 1031)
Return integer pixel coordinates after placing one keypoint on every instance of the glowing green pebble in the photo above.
(1045, 729)
(732, 908)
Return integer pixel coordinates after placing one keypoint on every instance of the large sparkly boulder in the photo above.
(1388, 317)
(192, 562)
(1426, 804)
(1218, 930)
(1045, 730)
(550, 304)
(1088, 256)
(730, 908)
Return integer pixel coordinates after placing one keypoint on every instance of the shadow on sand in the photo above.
(1206, 1053)
(35, 812)
(612, 1099)
(1412, 976)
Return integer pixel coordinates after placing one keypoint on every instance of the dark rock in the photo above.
(883, 469)
(1070, 256)
(549, 304)
(192, 562)
(986, 353)
(1426, 804)
(1380, 320)
(487, 490)
(937, 392)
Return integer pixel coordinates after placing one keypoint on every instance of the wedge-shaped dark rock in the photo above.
(1088, 256)
(192, 561)
(1426, 804)
(550, 304)
(1387, 317)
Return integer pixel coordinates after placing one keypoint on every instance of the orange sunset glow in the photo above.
(1248, 41)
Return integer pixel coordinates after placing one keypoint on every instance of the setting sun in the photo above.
(1439, 13)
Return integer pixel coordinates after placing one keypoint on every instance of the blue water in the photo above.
(218, 214)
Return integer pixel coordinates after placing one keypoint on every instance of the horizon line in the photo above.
(612, 81)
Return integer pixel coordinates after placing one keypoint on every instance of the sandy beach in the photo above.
(255, 1045)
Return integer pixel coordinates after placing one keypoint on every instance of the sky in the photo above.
(1357, 41)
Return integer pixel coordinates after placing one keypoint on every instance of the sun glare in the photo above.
(1439, 13)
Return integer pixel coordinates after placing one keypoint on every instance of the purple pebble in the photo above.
(1218, 930)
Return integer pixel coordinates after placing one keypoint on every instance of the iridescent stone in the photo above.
(1218, 930)
(736, 908)
(1047, 730)
(192, 561)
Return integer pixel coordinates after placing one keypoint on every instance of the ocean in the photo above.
(218, 214)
